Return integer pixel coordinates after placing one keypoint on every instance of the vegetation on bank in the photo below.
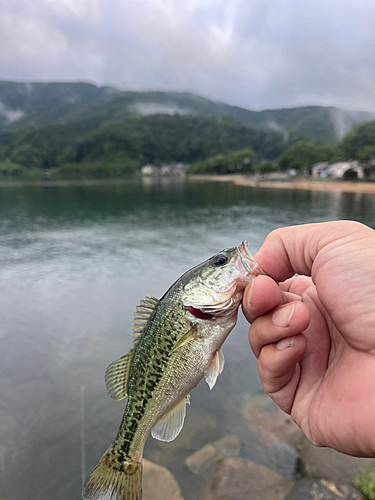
(241, 161)
(86, 148)
(133, 142)
(303, 154)
(234, 162)
(68, 171)
(359, 145)
(365, 481)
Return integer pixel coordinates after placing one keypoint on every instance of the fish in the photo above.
(177, 343)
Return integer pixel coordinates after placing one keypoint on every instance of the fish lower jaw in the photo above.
(199, 314)
(210, 313)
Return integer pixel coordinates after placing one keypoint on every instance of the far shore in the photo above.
(273, 181)
(290, 183)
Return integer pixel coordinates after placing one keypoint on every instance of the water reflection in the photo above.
(74, 261)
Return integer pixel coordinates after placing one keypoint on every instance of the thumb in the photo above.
(294, 249)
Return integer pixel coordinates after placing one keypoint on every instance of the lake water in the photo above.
(74, 262)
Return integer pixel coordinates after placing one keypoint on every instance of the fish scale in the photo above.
(149, 362)
(177, 342)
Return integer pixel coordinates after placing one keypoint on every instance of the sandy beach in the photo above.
(290, 183)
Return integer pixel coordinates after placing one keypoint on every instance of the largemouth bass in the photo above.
(178, 342)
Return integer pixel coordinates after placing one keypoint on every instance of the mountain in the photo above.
(23, 104)
(39, 103)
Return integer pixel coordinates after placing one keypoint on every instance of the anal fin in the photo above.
(170, 425)
(216, 367)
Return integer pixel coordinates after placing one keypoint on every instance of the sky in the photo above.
(256, 54)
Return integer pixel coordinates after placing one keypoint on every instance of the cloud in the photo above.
(258, 54)
(9, 114)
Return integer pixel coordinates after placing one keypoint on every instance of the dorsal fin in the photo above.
(142, 315)
(117, 373)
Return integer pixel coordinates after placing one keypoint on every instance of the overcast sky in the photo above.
(253, 53)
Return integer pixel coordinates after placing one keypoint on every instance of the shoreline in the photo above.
(63, 182)
(306, 184)
(272, 182)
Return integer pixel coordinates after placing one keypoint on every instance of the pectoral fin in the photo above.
(216, 367)
(169, 426)
(190, 335)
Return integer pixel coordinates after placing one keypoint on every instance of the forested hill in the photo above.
(134, 141)
(23, 104)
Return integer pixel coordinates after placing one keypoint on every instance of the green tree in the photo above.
(241, 160)
(359, 145)
(265, 167)
(360, 137)
(303, 154)
(233, 162)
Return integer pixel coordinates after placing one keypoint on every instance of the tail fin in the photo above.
(114, 480)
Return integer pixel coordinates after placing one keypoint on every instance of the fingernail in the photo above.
(283, 315)
(250, 292)
(285, 343)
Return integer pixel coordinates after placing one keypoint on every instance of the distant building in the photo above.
(166, 169)
(338, 170)
(318, 168)
(343, 169)
(149, 170)
(173, 169)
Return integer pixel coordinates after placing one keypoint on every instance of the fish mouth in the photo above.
(200, 314)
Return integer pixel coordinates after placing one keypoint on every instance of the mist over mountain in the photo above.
(25, 104)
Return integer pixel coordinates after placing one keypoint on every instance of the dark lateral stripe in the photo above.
(156, 359)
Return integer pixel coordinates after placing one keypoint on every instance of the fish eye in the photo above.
(220, 260)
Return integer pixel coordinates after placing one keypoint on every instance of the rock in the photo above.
(158, 483)
(275, 454)
(268, 424)
(228, 446)
(268, 435)
(329, 464)
(239, 479)
(313, 489)
(262, 414)
(197, 424)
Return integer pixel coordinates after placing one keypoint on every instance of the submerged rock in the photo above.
(314, 489)
(270, 425)
(158, 483)
(329, 464)
(198, 424)
(265, 418)
(228, 446)
(239, 479)
(268, 435)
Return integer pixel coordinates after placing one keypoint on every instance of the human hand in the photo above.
(314, 335)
